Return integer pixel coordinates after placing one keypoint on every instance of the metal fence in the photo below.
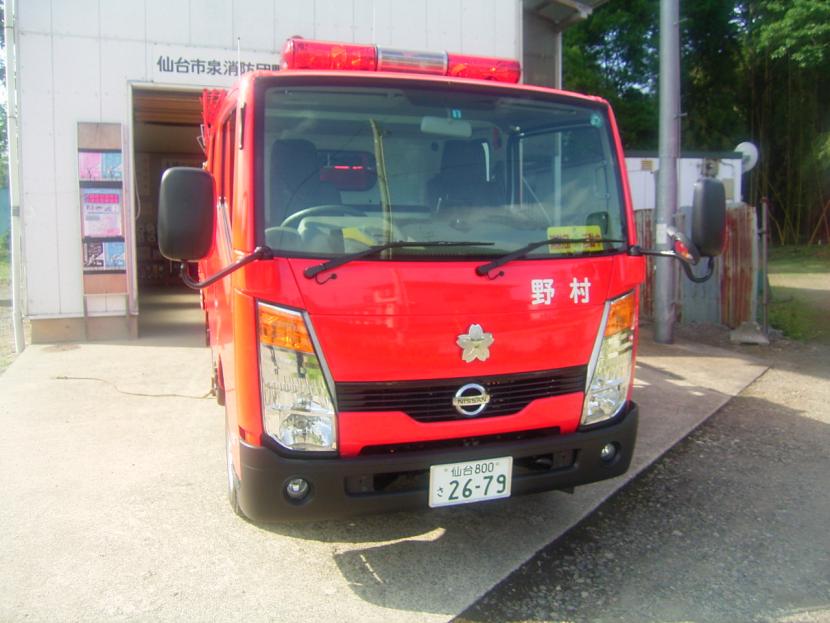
(730, 297)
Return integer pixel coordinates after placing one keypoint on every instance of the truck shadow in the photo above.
(437, 561)
(442, 561)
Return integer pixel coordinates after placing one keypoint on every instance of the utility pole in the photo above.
(667, 175)
(13, 110)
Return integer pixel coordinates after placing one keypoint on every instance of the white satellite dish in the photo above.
(749, 155)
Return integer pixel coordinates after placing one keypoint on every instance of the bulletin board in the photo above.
(100, 175)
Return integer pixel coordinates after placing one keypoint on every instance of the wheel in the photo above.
(329, 207)
(233, 479)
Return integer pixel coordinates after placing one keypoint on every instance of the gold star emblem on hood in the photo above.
(475, 344)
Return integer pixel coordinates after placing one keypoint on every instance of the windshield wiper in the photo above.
(313, 271)
(485, 269)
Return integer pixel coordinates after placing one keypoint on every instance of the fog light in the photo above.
(296, 488)
(608, 452)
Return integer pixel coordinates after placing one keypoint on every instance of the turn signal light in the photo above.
(283, 329)
(621, 316)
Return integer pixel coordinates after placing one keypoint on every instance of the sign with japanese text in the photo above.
(101, 212)
(207, 66)
(583, 234)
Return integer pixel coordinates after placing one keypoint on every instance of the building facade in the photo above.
(107, 97)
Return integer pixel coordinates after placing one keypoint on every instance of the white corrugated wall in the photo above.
(77, 57)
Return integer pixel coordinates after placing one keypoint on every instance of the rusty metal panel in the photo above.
(740, 266)
(730, 296)
(644, 221)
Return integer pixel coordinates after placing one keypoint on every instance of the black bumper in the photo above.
(333, 493)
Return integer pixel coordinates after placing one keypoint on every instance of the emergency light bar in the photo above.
(300, 53)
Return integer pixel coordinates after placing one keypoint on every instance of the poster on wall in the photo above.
(100, 166)
(114, 258)
(90, 165)
(101, 212)
(113, 166)
(104, 255)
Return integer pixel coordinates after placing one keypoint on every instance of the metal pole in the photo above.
(14, 189)
(764, 233)
(557, 59)
(667, 180)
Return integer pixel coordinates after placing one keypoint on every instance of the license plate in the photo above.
(470, 481)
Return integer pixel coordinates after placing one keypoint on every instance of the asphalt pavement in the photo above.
(730, 526)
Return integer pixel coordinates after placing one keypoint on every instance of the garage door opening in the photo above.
(166, 129)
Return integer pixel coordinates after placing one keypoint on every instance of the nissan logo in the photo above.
(471, 399)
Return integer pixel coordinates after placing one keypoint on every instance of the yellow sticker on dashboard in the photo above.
(354, 233)
(576, 232)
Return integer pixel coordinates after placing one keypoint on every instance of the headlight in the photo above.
(297, 409)
(609, 373)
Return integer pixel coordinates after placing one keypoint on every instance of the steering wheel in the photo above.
(331, 208)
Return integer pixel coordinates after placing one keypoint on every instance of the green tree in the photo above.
(751, 69)
(4, 151)
(798, 30)
(614, 54)
(786, 66)
(710, 83)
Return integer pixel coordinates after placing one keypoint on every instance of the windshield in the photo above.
(346, 168)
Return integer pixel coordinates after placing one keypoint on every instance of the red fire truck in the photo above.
(420, 280)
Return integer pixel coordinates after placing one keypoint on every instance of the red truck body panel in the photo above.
(384, 321)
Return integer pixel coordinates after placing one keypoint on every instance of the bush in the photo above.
(4, 244)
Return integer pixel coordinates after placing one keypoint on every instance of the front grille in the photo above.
(457, 444)
(431, 401)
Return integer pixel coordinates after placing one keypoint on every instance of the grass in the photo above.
(796, 317)
(799, 259)
(800, 292)
(5, 257)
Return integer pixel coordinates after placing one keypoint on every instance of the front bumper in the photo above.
(342, 487)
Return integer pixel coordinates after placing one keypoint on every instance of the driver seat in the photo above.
(462, 182)
(295, 180)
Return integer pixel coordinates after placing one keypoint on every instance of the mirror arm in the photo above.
(260, 253)
(687, 266)
(710, 270)
(636, 250)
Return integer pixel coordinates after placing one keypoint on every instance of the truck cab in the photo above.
(418, 280)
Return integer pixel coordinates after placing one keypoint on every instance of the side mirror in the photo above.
(709, 216)
(685, 250)
(186, 214)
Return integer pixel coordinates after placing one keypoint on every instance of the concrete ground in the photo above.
(114, 496)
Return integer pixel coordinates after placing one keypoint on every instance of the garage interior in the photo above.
(166, 129)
